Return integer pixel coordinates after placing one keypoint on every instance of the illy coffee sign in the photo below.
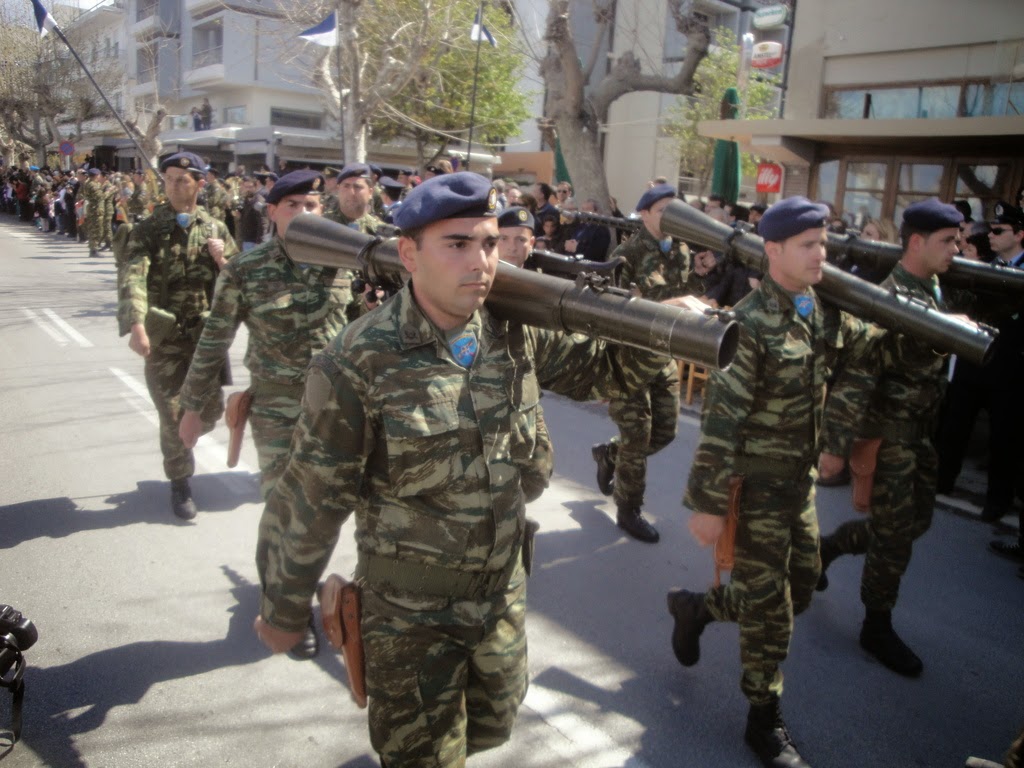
(769, 177)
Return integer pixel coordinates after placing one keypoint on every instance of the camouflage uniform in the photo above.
(109, 201)
(156, 243)
(905, 386)
(94, 212)
(291, 313)
(647, 421)
(216, 200)
(367, 224)
(138, 204)
(329, 206)
(761, 421)
(430, 459)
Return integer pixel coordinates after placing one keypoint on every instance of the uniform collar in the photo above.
(414, 328)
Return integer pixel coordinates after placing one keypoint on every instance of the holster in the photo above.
(236, 414)
(725, 547)
(863, 461)
(341, 613)
(160, 325)
(532, 526)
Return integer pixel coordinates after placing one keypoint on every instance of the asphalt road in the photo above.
(146, 655)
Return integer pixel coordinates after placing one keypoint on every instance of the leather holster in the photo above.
(863, 461)
(725, 547)
(236, 414)
(341, 613)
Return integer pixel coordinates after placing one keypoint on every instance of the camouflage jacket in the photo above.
(216, 200)
(291, 313)
(897, 390)
(92, 193)
(658, 275)
(329, 205)
(159, 242)
(427, 453)
(766, 408)
(138, 203)
(368, 224)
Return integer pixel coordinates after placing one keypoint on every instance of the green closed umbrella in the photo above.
(725, 175)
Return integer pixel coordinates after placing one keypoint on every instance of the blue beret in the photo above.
(931, 215)
(448, 196)
(393, 184)
(354, 171)
(516, 217)
(654, 194)
(376, 169)
(188, 161)
(296, 183)
(95, 171)
(1008, 214)
(791, 216)
(263, 175)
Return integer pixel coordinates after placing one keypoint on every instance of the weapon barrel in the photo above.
(518, 295)
(859, 297)
(962, 273)
(585, 217)
(567, 266)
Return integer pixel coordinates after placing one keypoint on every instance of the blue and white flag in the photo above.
(324, 33)
(44, 20)
(480, 32)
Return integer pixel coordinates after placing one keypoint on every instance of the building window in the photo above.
(995, 99)
(236, 115)
(208, 44)
(981, 186)
(864, 192)
(917, 181)
(146, 9)
(293, 118)
(925, 101)
(145, 64)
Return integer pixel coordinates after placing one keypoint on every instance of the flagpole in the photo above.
(476, 74)
(341, 90)
(106, 101)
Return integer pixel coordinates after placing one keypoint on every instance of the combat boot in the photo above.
(691, 615)
(181, 499)
(878, 638)
(767, 735)
(605, 468)
(829, 552)
(93, 254)
(308, 647)
(632, 521)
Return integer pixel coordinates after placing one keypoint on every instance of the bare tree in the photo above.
(579, 118)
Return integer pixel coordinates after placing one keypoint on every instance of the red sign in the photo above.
(769, 177)
(67, 148)
(766, 55)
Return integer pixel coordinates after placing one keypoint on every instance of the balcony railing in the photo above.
(208, 57)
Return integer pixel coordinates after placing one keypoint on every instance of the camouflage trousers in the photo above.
(776, 569)
(902, 503)
(647, 423)
(98, 226)
(119, 245)
(165, 370)
(444, 684)
(272, 420)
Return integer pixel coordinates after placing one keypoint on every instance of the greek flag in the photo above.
(324, 33)
(480, 32)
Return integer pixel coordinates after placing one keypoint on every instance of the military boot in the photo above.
(605, 468)
(308, 647)
(766, 734)
(829, 552)
(632, 521)
(878, 638)
(181, 499)
(93, 253)
(691, 615)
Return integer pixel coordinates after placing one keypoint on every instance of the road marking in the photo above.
(50, 331)
(66, 327)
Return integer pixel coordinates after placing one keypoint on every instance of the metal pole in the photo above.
(476, 74)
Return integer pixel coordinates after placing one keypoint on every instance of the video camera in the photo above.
(17, 634)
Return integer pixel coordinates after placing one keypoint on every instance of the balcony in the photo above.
(207, 68)
(146, 26)
(194, 7)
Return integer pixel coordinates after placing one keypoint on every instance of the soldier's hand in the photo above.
(190, 429)
(706, 528)
(687, 302)
(277, 640)
(830, 465)
(216, 248)
(139, 341)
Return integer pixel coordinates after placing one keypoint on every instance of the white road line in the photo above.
(66, 327)
(586, 736)
(50, 331)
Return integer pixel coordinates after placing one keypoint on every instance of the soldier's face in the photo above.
(452, 267)
(938, 249)
(182, 188)
(282, 212)
(652, 217)
(515, 244)
(354, 197)
(798, 262)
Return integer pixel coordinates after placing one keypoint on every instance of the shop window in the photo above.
(980, 186)
(293, 118)
(864, 192)
(828, 180)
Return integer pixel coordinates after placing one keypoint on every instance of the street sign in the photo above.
(766, 55)
(67, 148)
